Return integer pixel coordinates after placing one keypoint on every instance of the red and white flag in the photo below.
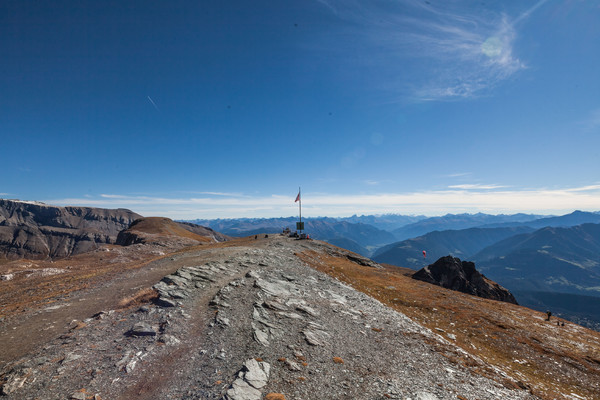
(297, 198)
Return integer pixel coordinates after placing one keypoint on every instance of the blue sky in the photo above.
(211, 109)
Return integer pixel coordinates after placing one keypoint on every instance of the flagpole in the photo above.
(300, 206)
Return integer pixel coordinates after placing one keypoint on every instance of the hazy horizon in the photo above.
(294, 214)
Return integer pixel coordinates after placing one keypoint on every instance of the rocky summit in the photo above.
(278, 318)
(452, 273)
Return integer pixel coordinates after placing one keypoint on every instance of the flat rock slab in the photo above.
(314, 337)
(426, 396)
(261, 337)
(176, 280)
(257, 373)
(275, 305)
(241, 390)
(163, 302)
(307, 310)
(142, 329)
(277, 288)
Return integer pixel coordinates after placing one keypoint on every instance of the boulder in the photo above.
(142, 329)
(452, 273)
(241, 390)
(257, 373)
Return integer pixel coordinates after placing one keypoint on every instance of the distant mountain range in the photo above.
(553, 268)
(532, 259)
(461, 221)
(349, 244)
(367, 234)
(465, 243)
(557, 257)
(462, 243)
(386, 222)
(359, 237)
(575, 218)
(554, 259)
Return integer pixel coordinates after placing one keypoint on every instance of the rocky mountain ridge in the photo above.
(37, 231)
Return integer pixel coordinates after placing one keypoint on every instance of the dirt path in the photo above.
(32, 329)
(164, 369)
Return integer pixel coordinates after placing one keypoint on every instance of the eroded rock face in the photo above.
(38, 231)
(452, 273)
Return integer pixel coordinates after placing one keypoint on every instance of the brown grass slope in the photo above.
(554, 362)
(160, 229)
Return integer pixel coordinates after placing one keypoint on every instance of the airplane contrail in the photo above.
(153, 103)
(528, 12)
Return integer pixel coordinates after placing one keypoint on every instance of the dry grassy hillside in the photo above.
(157, 230)
(552, 361)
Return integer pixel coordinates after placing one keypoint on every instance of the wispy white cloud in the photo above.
(475, 186)
(474, 53)
(457, 175)
(461, 51)
(584, 188)
(454, 200)
(225, 194)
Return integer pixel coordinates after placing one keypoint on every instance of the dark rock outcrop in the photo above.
(38, 231)
(452, 273)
